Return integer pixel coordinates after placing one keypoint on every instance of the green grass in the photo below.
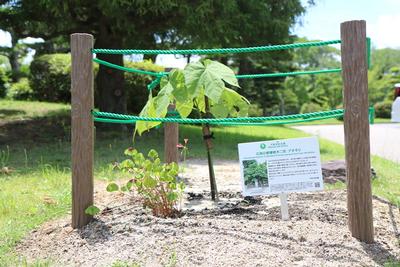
(38, 188)
(20, 110)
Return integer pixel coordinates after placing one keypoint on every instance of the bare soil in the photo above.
(234, 232)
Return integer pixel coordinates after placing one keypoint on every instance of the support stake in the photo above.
(356, 129)
(82, 127)
(171, 139)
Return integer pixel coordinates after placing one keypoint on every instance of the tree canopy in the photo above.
(159, 24)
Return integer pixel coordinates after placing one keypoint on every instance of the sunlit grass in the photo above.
(28, 200)
(19, 110)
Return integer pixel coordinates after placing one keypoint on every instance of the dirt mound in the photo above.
(233, 233)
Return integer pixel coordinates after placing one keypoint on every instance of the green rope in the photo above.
(154, 83)
(121, 118)
(371, 112)
(213, 51)
(115, 66)
(159, 75)
(173, 114)
(369, 52)
(284, 74)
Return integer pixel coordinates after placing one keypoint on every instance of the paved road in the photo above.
(385, 137)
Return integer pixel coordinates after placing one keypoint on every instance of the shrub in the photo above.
(255, 110)
(383, 109)
(136, 84)
(24, 70)
(3, 82)
(50, 77)
(310, 107)
(50, 80)
(20, 90)
(155, 182)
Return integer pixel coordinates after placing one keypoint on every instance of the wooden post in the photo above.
(356, 129)
(171, 140)
(82, 134)
(284, 206)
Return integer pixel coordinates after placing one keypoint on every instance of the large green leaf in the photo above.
(220, 110)
(149, 110)
(184, 108)
(209, 75)
(188, 88)
(192, 74)
(222, 71)
(234, 99)
(177, 82)
(230, 103)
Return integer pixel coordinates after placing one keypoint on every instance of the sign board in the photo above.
(279, 166)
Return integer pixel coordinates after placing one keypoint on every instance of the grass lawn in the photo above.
(38, 186)
(11, 110)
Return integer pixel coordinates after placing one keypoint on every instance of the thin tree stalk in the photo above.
(208, 143)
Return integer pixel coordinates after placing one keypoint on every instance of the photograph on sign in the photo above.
(278, 166)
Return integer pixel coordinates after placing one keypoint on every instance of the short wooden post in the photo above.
(356, 129)
(82, 134)
(171, 139)
(284, 206)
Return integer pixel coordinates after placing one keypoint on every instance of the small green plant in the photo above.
(156, 183)
(119, 263)
(4, 158)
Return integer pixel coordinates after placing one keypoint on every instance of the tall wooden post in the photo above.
(171, 140)
(356, 129)
(82, 134)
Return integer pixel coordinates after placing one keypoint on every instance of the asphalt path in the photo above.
(385, 137)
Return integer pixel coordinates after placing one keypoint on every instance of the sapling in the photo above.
(201, 86)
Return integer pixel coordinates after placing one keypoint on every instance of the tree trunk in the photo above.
(13, 58)
(207, 141)
(110, 86)
(110, 82)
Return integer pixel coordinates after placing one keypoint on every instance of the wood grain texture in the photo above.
(171, 139)
(82, 128)
(356, 129)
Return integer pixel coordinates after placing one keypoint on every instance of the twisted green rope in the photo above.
(284, 74)
(121, 118)
(213, 51)
(115, 66)
(369, 52)
(159, 75)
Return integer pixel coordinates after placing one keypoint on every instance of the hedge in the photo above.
(20, 90)
(50, 77)
(383, 109)
(50, 80)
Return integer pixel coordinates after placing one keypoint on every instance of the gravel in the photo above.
(234, 232)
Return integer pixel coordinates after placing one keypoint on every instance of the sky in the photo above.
(322, 22)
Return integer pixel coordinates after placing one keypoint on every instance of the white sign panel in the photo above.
(274, 167)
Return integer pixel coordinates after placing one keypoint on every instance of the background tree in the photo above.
(384, 73)
(315, 92)
(162, 24)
